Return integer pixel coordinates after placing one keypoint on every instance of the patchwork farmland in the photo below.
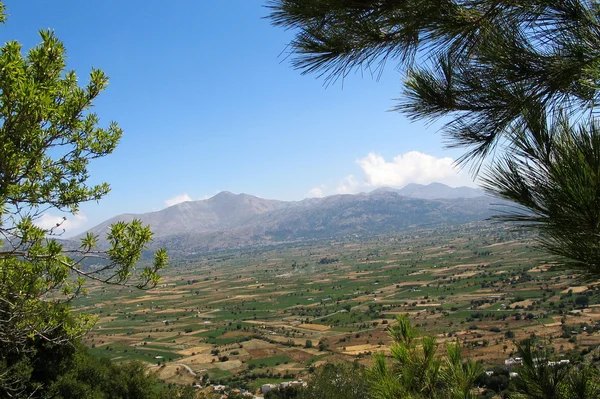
(273, 314)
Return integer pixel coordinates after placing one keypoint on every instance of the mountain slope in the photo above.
(439, 191)
(232, 221)
(221, 212)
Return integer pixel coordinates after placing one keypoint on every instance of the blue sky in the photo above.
(208, 103)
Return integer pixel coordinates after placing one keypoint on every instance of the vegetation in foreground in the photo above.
(48, 136)
(414, 370)
(70, 371)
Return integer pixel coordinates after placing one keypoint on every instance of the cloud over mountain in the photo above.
(229, 220)
(178, 199)
(411, 167)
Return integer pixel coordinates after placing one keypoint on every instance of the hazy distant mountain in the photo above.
(222, 212)
(230, 221)
(435, 191)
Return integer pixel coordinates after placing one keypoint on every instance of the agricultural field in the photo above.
(273, 314)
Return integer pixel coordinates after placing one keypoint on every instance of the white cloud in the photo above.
(348, 185)
(317, 192)
(178, 199)
(67, 223)
(412, 167)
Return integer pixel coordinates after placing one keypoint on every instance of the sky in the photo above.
(209, 102)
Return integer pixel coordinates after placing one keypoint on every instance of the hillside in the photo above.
(240, 220)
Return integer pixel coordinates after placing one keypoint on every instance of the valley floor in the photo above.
(270, 315)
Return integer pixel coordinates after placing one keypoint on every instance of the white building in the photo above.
(267, 387)
(513, 361)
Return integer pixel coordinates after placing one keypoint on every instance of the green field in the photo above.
(255, 309)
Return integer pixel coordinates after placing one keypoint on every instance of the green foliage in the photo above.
(496, 383)
(284, 393)
(484, 61)
(336, 381)
(53, 370)
(48, 136)
(516, 79)
(553, 173)
(90, 377)
(44, 359)
(582, 300)
(540, 379)
(415, 370)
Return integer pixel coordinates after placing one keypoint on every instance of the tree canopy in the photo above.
(48, 136)
(517, 82)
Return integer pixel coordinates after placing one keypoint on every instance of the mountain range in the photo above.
(230, 220)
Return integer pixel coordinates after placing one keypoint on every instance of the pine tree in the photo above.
(539, 378)
(417, 372)
(518, 80)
